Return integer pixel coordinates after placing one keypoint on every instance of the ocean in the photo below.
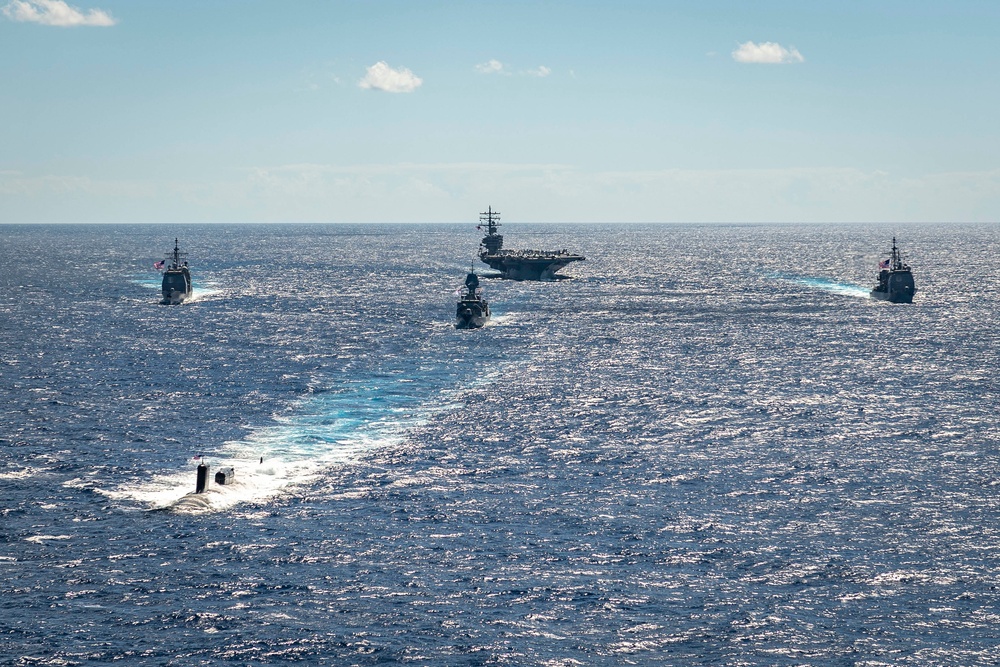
(707, 447)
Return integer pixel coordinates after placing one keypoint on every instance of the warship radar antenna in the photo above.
(897, 257)
(492, 220)
(492, 243)
(177, 257)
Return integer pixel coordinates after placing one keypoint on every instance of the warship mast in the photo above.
(492, 242)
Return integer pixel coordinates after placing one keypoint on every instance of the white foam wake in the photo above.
(843, 289)
(329, 430)
(200, 290)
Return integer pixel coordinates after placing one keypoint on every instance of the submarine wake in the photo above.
(329, 429)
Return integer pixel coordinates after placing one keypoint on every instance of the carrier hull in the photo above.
(513, 267)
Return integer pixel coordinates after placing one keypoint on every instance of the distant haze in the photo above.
(401, 111)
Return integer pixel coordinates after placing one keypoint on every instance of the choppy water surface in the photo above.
(710, 447)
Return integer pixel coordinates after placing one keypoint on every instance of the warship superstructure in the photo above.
(472, 311)
(895, 279)
(519, 264)
(176, 285)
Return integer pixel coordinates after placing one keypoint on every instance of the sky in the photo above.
(198, 111)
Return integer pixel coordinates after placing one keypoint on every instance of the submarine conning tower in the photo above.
(222, 477)
(202, 478)
(492, 242)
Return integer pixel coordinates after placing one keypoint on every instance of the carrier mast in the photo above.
(492, 242)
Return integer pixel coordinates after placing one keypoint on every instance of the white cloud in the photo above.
(492, 66)
(770, 53)
(55, 12)
(382, 77)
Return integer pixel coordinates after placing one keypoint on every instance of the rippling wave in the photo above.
(707, 447)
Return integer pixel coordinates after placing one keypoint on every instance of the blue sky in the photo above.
(582, 111)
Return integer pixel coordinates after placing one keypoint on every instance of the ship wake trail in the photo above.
(826, 285)
(336, 427)
(202, 290)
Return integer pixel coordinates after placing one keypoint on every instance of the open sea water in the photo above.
(709, 447)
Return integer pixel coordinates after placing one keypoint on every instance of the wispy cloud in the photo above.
(382, 77)
(770, 53)
(55, 12)
(492, 66)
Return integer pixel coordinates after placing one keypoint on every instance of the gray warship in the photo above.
(176, 285)
(519, 264)
(895, 279)
(472, 311)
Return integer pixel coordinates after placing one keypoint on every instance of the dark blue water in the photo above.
(708, 448)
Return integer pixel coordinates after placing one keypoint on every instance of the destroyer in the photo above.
(519, 264)
(472, 311)
(176, 284)
(895, 280)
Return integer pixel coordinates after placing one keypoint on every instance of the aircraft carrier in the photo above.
(519, 264)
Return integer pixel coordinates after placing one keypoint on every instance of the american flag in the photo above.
(159, 265)
(884, 264)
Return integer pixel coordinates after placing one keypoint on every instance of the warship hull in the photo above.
(174, 298)
(176, 287)
(897, 296)
(471, 315)
(895, 286)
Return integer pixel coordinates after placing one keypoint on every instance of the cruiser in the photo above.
(472, 311)
(176, 278)
(895, 280)
(519, 264)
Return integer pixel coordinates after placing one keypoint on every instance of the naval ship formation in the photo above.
(895, 279)
(895, 284)
(519, 264)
